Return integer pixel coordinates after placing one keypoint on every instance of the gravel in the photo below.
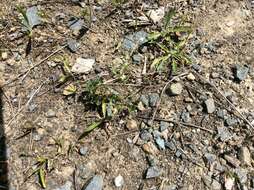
(73, 45)
(83, 150)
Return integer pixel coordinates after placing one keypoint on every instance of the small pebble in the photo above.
(96, 183)
(4, 56)
(150, 148)
(73, 45)
(132, 125)
(241, 72)
(245, 156)
(83, 150)
(50, 113)
(119, 181)
(175, 89)
(191, 77)
(209, 105)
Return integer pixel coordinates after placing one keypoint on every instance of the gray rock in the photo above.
(160, 143)
(171, 145)
(144, 99)
(66, 186)
(119, 181)
(153, 99)
(145, 135)
(73, 45)
(96, 183)
(209, 105)
(222, 114)
(83, 150)
(76, 24)
(32, 16)
(153, 172)
(197, 67)
(37, 137)
(241, 72)
(185, 117)
(231, 121)
(223, 134)
(163, 126)
(135, 40)
(175, 89)
(50, 113)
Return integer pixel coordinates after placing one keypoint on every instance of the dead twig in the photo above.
(27, 103)
(241, 116)
(179, 123)
(27, 71)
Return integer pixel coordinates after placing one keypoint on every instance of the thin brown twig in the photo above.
(162, 92)
(179, 123)
(27, 103)
(27, 71)
(241, 116)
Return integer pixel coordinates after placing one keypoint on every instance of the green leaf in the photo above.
(69, 90)
(179, 29)
(157, 61)
(91, 128)
(154, 36)
(25, 20)
(104, 107)
(42, 176)
(174, 66)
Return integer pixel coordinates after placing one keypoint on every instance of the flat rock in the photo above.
(153, 172)
(232, 160)
(135, 40)
(160, 143)
(209, 105)
(245, 156)
(83, 65)
(153, 99)
(96, 183)
(32, 16)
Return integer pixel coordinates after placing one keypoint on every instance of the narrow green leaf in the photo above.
(157, 61)
(42, 176)
(174, 66)
(154, 36)
(91, 128)
(104, 108)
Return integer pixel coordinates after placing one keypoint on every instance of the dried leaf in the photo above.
(69, 90)
(104, 108)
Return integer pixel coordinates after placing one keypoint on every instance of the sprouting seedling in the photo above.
(171, 42)
(25, 21)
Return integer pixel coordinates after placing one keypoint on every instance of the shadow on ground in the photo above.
(3, 158)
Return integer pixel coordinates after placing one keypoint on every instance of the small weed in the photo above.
(171, 43)
(25, 21)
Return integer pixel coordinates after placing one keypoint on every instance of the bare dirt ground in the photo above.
(201, 145)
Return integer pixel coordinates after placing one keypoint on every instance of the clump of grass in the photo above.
(170, 43)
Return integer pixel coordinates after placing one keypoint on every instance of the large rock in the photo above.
(96, 183)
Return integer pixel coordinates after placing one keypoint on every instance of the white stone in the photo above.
(119, 181)
(157, 15)
(83, 65)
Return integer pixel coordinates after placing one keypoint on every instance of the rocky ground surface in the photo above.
(192, 129)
